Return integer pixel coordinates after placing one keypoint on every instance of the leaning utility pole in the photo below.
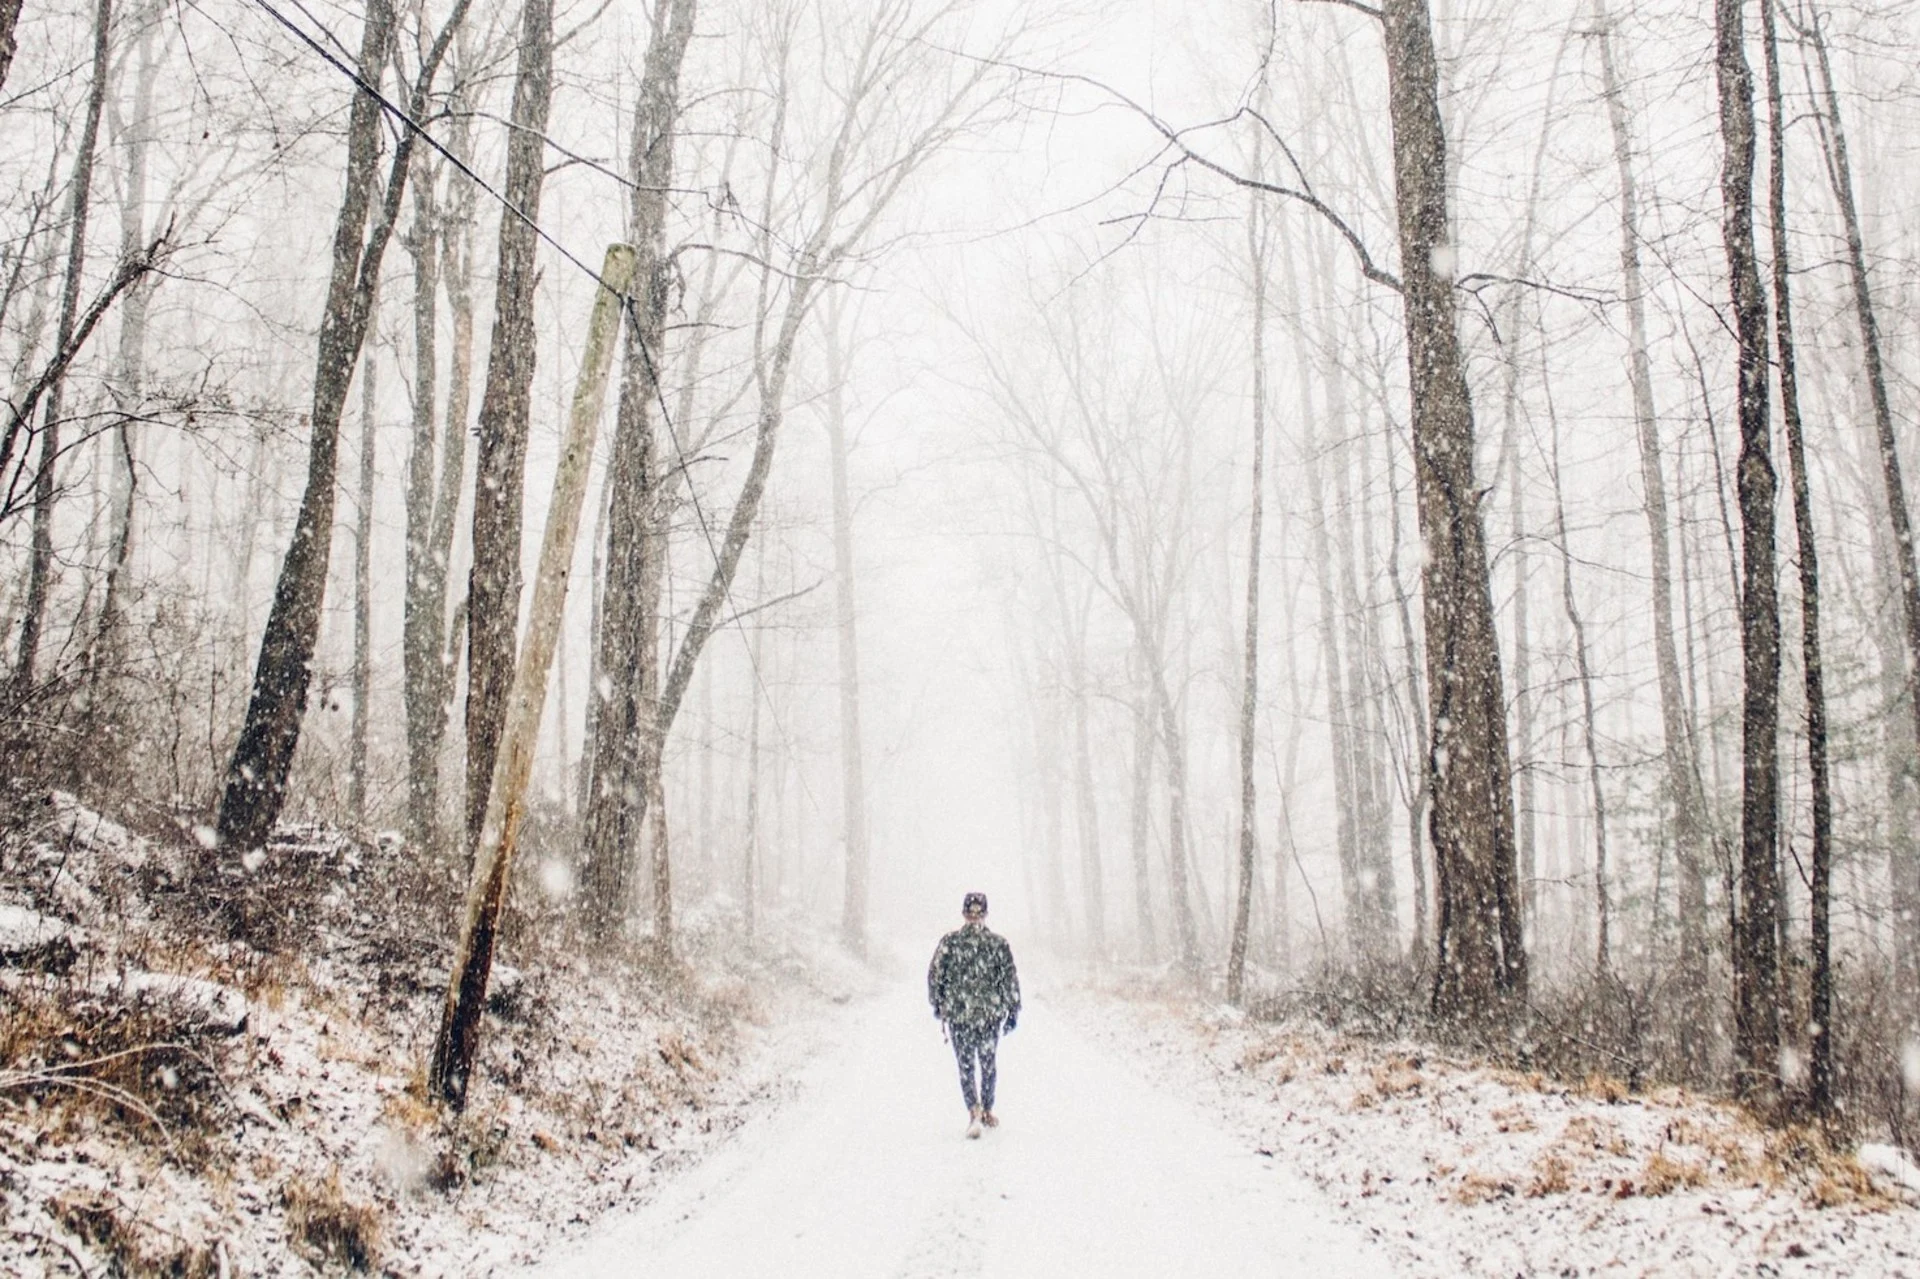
(459, 1038)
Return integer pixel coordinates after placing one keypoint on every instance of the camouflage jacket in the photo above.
(972, 981)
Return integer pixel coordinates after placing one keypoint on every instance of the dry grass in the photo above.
(1552, 1175)
(1664, 1174)
(1513, 1119)
(133, 1247)
(80, 1061)
(1478, 1188)
(1604, 1088)
(328, 1226)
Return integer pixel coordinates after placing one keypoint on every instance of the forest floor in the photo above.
(174, 1106)
(170, 1105)
(1141, 1137)
(1455, 1168)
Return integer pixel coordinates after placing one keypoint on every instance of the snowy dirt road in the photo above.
(866, 1172)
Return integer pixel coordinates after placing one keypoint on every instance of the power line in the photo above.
(626, 304)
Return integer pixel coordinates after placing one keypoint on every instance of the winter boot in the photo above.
(973, 1121)
(986, 1117)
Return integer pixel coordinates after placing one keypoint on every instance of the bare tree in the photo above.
(362, 677)
(1866, 315)
(627, 742)
(256, 777)
(853, 787)
(1755, 951)
(1480, 974)
(493, 589)
(1812, 667)
(1679, 755)
(79, 203)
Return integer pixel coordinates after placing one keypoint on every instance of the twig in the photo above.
(61, 1244)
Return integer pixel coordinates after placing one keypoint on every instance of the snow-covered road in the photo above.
(866, 1172)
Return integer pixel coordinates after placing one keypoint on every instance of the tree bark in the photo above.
(628, 736)
(459, 1037)
(362, 603)
(1755, 952)
(9, 19)
(1248, 848)
(79, 202)
(1679, 754)
(1840, 174)
(1813, 675)
(1480, 978)
(425, 604)
(105, 658)
(853, 789)
(493, 588)
(256, 780)
(1140, 798)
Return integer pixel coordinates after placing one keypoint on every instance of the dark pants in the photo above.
(973, 1046)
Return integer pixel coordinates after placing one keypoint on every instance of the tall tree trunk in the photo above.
(79, 202)
(1481, 974)
(456, 270)
(1681, 760)
(1755, 952)
(1523, 703)
(627, 733)
(1415, 772)
(362, 602)
(1087, 812)
(853, 787)
(750, 859)
(459, 1038)
(128, 386)
(1840, 173)
(425, 604)
(1179, 861)
(9, 19)
(256, 780)
(493, 589)
(1140, 795)
(1583, 669)
(1250, 650)
(1820, 1012)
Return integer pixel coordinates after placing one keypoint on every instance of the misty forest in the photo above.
(545, 546)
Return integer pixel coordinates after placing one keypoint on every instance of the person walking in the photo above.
(975, 993)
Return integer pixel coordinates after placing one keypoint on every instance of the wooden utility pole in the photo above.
(459, 1037)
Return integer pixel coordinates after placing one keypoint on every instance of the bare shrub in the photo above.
(328, 1225)
(79, 1058)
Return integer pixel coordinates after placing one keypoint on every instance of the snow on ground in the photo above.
(866, 1172)
(171, 1106)
(1459, 1169)
(763, 1115)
